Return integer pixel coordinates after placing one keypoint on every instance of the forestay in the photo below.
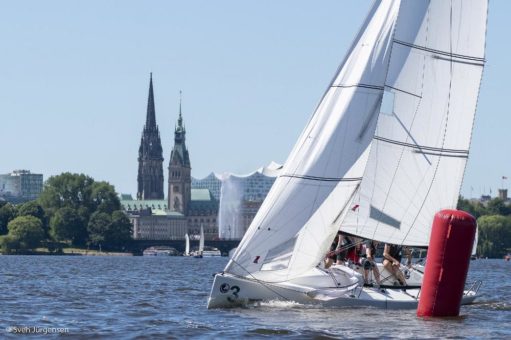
(422, 139)
(293, 228)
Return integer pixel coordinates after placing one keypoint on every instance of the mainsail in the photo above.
(293, 227)
(422, 139)
(386, 147)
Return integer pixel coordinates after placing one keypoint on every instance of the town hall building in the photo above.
(185, 209)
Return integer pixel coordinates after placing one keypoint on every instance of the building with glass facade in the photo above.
(20, 186)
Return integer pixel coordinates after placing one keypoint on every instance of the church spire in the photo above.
(151, 115)
(179, 190)
(150, 155)
(180, 118)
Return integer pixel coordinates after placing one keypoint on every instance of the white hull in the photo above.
(211, 253)
(345, 291)
(157, 253)
(206, 253)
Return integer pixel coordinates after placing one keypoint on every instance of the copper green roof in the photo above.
(158, 207)
(201, 195)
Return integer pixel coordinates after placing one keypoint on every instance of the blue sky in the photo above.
(74, 80)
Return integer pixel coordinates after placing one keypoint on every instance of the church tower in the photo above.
(180, 180)
(150, 155)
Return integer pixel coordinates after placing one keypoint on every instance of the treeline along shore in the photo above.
(77, 215)
(73, 211)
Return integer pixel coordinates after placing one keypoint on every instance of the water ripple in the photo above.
(153, 298)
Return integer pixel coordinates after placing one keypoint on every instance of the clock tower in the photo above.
(180, 180)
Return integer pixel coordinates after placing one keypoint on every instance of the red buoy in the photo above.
(450, 248)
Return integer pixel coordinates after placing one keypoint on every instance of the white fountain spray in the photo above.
(229, 216)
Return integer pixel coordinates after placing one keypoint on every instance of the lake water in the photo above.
(162, 297)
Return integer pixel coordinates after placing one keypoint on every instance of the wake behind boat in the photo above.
(385, 150)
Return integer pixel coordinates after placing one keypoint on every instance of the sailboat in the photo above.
(187, 245)
(199, 253)
(385, 149)
(205, 251)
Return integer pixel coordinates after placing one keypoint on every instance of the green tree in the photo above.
(67, 225)
(69, 198)
(27, 230)
(7, 213)
(494, 235)
(104, 198)
(497, 206)
(32, 208)
(98, 227)
(119, 231)
(109, 231)
(475, 209)
(8, 244)
(66, 190)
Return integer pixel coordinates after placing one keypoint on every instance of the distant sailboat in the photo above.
(201, 240)
(198, 254)
(205, 251)
(187, 245)
(384, 151)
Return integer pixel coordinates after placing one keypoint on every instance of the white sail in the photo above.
(201, 240)
(293, 227)
(187, 244)
(422, 139)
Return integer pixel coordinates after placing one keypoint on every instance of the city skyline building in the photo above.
(150, 155)
(20, 186)
(224, 205)
(185, 210)
(179, 180)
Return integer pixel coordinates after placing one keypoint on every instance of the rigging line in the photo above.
(266, 284)
(442, 154)
(423, 75)
(411, 137)
(352, 196)
(360, 85)
(307, 226)
(260, 281)
(479, 87)
(445, 127)
(391, 52)
(403, 91)
(391, 37)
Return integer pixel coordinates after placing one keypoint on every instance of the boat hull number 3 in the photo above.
(225, 288)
